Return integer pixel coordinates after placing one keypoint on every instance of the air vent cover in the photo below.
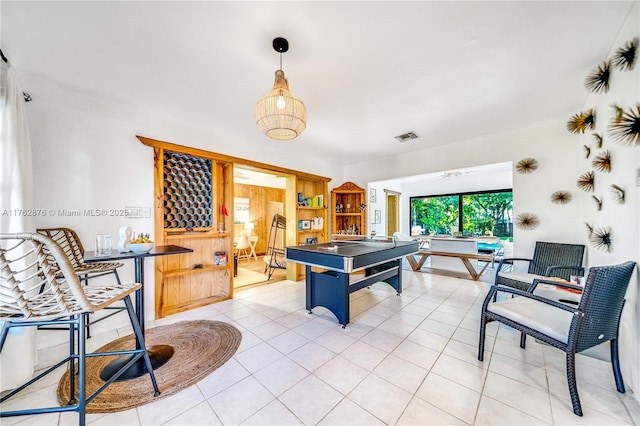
(406, 137)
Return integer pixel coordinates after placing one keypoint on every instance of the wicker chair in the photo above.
(30, 262)
(275, 257)
(549, 259)
(569, 328)
(70, 243)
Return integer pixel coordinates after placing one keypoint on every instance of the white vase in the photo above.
(125, 238)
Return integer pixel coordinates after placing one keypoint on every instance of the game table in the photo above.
(339, 262)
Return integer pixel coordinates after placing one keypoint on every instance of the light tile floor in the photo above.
(408, 360)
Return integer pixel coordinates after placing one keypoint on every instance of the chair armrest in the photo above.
(506, 289)
(556, 283)
(510, 260)
(550, 269)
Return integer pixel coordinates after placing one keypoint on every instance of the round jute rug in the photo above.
(200, 347)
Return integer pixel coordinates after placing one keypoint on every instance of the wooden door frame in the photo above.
(395, 194)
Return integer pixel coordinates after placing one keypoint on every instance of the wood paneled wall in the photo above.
(258, 197)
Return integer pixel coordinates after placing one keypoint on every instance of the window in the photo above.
(488, 212)
(434, 215)
(241, 210)
(475, 214)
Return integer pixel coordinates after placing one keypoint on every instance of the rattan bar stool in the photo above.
(70, 243)
(39, 287)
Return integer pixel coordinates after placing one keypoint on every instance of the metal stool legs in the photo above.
(78, 356)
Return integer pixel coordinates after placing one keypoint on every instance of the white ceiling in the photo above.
(448, 175)
(367, 71)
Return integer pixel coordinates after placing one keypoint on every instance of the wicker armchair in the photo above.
(70, 243)
(39, 286)
(275, 257)
(549, 259)
(571, 329)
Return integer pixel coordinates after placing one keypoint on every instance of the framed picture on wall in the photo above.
(377, 216)
(372, 195)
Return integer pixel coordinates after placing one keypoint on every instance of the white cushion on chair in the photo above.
(547, 319)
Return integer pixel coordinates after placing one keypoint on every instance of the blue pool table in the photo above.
(379, 259)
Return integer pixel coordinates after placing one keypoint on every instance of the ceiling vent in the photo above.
(406, 137)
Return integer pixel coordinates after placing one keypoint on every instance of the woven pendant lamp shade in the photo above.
(278, 121)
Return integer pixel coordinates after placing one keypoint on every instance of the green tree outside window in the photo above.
(487, 213)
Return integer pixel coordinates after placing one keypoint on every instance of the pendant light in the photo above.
(279, 113)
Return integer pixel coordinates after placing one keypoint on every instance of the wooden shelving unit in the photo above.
(191, 280)
(190, 189)
(305, 222)
(348, 212)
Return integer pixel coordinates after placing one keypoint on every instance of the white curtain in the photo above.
(16, 197)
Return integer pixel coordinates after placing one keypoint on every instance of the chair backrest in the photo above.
(69, 241)
(34, 276)
(243, 243)
(601, 305)
(399, 236)
(548, 254)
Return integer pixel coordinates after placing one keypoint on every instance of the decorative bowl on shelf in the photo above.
(140, 247)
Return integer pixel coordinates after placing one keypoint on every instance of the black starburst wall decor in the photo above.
(589, 229)
(598, 80)
(624, 58)
(602, 162)
(586, 182)
(618, 111)
(598, 202)
(618, 193)
(582, 121)
(561, 197)
(625, 127)
(601, 239)
(598, 140)
(587, 151)
(527, 165)
(527, 221)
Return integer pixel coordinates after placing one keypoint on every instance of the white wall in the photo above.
(86, 156)
(380, 204)
(548, 142)
(561, 161)
(623, 219)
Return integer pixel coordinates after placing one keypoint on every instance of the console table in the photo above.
(158, 354)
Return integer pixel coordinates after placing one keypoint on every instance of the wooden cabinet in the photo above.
(348, 212)
(190, 192)
(188, 212)
(306, 212)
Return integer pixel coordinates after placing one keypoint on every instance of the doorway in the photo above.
(259, 194)
(393, 211)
